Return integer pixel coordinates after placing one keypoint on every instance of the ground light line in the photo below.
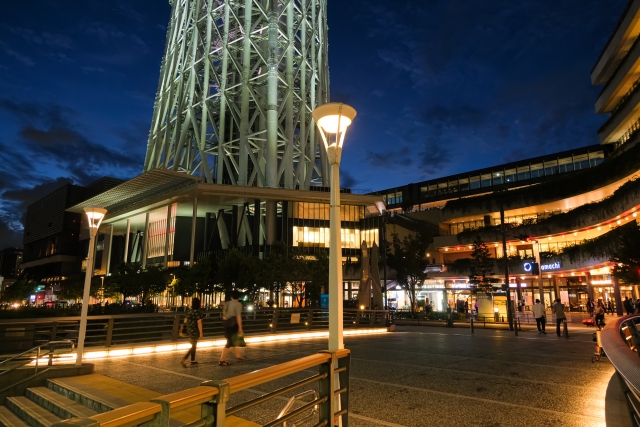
(480, 399)
(362, 417)
(477, 373)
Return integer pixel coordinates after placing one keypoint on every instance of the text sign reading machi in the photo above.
(548, 267)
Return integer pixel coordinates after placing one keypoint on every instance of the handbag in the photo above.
(238, 340)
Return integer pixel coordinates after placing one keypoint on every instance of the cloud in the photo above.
(390, 159)
(8, 236)
(24, 59)
(346, 180)
(47, 133)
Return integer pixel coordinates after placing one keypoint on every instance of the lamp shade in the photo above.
(95, 215)
(334, 117)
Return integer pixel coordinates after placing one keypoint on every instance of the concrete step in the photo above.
(61, 406)
(31, 412)
(9, 419)
(73, 388)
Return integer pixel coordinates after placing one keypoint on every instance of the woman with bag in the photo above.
(232, 323)
(194, 330)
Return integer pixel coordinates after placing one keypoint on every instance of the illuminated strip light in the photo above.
(216, 343)
(601, 282)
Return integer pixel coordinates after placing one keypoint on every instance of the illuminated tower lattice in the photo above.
(238, 82)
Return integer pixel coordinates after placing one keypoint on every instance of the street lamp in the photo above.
(94, 215)
(332, 120)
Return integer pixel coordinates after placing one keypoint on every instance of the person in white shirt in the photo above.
(540, 315)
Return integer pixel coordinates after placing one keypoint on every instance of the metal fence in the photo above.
(120, 329)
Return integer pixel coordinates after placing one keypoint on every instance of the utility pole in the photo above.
(505, 259)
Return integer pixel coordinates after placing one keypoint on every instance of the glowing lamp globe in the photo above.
(333, 119)
(95, 216)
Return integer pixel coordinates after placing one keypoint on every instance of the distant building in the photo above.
(617, 71)
(10, 262)
(51, 234)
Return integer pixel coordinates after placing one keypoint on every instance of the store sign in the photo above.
(548, 267)
(459, 286)
(531, 267)
(433, 286)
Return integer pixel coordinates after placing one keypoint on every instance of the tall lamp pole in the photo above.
(94, 215)
(332, 120)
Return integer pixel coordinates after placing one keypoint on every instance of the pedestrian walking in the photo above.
(610, 307)
(558, 309)
(600, 316)
(539, 314)
(194, 331)
(590, 307)
(232, 322)
(627, 305)
(476, 305)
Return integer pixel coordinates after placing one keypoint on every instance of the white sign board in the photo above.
(564, 297)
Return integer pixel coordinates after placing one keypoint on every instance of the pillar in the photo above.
(271, 214)
(166, 237)
(255, 231)
(589, 286)
(145, 244)
(207, 218)
(109, 249)
(617, 296)
(194, 221)
(126, 242)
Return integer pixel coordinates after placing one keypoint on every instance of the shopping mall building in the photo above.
(573, 204)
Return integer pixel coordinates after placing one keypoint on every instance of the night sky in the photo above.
(440, 87)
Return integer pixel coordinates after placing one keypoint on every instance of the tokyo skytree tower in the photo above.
(238, 82)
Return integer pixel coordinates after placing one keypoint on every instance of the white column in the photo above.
(335, 253)
(166, 236)
(194, 220)
(126, 242)
(146, 242)
(85, 298)
(106, 273)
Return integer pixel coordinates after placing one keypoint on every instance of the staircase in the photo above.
(59, 400)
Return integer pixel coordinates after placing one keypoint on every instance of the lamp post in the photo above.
(94, 215)
(332, 120)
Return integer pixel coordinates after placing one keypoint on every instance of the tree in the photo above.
(318, 278)
(627, 256)
(481, 266)
(19, 291)
(125, 280)
(151, 282)
(237, 271)
(275, 271)
(408, 258)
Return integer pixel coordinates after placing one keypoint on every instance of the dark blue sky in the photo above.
(440, 87)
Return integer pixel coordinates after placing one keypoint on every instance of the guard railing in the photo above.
(121, 329)
(328, 405)
(620, 341)
(48, 350)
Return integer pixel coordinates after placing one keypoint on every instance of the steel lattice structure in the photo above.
(238, 82)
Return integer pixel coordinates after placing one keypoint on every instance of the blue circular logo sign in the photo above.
(527, 267)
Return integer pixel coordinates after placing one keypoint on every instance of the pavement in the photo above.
(425, 376)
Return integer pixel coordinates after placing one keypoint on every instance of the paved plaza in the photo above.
(425, 376)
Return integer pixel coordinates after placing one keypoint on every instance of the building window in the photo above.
(565, 165)
(474, 182)
(537, 171)
(524, 173)
(596, 158)
(581, 162)
(510, 175)
(464, 184)
(551, 167)
(453, 186)
(498, 178)
(485, 180)
(318, 237)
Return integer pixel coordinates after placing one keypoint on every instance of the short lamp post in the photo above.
(94, 215)
(332, 120)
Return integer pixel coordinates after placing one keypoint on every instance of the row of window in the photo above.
(520, 173)
(393, 198)
(320, 211)
(318, 237)
(515, 219)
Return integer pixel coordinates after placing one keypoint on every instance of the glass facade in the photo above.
(500, 176)
(318, 237)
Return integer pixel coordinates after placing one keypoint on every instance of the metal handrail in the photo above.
(212, 396)
(293, 399)
(52, 347)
